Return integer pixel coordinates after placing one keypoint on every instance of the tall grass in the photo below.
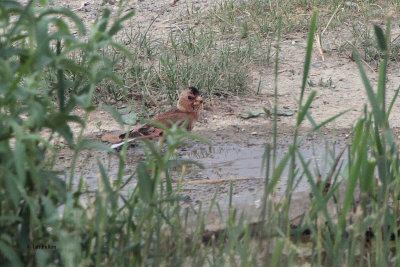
(149, 226)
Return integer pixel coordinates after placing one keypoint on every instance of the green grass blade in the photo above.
(277, 173)
(380, 38)
(105, 178)
(376, 111)
(68, 13)
(93, 144)
(381, 93)
(307, 62)
(275, 126)
(322, 124)
(396, 94)
(114, 113)
(9, 253)
(304, 109)
(145, 183)
(276, 256)
(352, 182)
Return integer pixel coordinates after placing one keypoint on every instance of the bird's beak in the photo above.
(198, 101)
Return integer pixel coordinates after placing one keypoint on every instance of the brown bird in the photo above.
(187, 111)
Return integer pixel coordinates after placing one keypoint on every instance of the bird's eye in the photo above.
(190, 97)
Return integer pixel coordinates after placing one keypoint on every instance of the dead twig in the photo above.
(319, 46)
(318, 37)
(224, 180)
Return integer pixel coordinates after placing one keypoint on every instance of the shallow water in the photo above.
(236, 161)
(223, 162)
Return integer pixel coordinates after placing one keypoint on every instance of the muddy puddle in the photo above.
(223, 163)
(245, 160)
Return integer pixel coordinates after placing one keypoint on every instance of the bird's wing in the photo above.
(173, 116)
(147, 130)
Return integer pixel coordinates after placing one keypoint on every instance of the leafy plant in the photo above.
(36, 44)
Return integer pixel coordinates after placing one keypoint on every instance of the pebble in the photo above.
(317, 64)
(350, 4)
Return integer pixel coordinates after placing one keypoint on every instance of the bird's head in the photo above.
(190, 100)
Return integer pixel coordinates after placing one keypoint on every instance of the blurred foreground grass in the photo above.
(42, 81)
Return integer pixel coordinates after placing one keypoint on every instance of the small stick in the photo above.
(319, 36)
(319, 46)
(330, 20)
(224, 180)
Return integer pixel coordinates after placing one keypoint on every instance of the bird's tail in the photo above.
(117, 146)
